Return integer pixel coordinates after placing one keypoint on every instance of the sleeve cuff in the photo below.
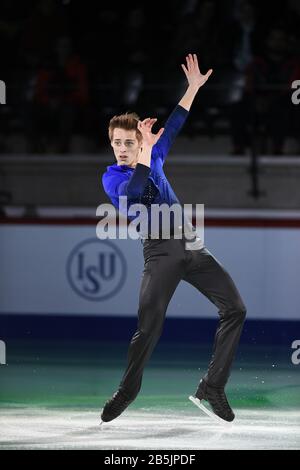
(138, 179)
(142, 170)
(180, 110)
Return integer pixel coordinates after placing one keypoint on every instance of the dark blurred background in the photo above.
(70, 65)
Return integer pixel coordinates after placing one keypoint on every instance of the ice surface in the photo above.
(40, 428)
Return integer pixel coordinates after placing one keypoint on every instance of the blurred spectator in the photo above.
(237, 54)
(134, 52)
(201, 31)
(60, 100)
(45, 24)
(12, 18)
(101, 43)
(245, 24)
(264, 110)
(11, 22)
(243, 29)
(128, 58)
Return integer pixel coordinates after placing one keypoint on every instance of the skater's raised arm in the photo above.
(176, 120)
(195, 80)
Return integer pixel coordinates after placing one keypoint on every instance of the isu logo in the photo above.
(96, 269)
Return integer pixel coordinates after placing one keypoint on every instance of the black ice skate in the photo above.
(216, 397)
(115, 406)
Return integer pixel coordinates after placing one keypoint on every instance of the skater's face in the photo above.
(126, 147)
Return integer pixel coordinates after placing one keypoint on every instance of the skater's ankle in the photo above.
(209, 384)
(127, 394)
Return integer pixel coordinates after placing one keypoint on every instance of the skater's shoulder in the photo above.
(116, 169)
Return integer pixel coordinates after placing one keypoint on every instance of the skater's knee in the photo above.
(151, 318)
(241, 310)
(237, 310)
(151, 329)
(151, 325)
(154, 309)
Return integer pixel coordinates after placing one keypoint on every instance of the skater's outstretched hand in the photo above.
(194, 77)
(145, 127)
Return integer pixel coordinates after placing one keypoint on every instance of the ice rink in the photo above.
(33, 428)
(51, 398)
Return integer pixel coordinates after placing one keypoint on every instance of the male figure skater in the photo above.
(138, 174)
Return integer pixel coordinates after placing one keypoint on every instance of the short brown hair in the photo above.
(127, 121)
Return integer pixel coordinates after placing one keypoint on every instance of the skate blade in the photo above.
(212, 415)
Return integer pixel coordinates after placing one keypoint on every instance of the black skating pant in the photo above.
(167, 262)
